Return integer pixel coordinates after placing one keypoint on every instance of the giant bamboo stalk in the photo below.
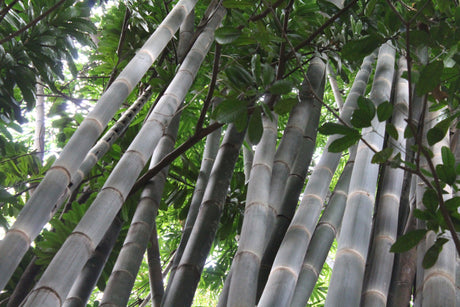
(307, 215)
(188, 271)
(37, 211)
(84, 285)
(76, 249)
(296, 178)
(380, 263)
(246, 262)
(439, 281)
(323, 237)
(131, 254)
(155, 269)
(209, 155)
(348, 272)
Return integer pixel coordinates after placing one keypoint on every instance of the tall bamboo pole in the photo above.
(36, 212)
(438, 284)
(121, 280)
(323, 237)
(209, 155)
(296, 178)
(348, 272)
(188, 272)
(378, 271)
(76, 249)
(155, 269)
(246, 262)
(86, 281)
(292, 251)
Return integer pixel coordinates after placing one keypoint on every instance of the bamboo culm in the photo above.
(155, 269)
(76, 249)
(129, 260)
(380, 263)
(246, 261)
(37, 211)
(296, 178)
(86, 281)
(353, 244)
(188, 271)
(209, 155)
(292, 251)
(323, 237)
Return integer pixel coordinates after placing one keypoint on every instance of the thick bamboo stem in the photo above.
(155, 269)
(76, 249)
(209, 155)
(185, 36)
(292, 251)
(39, 139)
(84, 285)
(183, 286)
(323, 237)
(295, 180)
(37, 212)
(348, 272)
(247, 259)
(378, 271)
(125, 270)
(334, 86)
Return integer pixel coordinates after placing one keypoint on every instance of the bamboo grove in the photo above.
(304, 153)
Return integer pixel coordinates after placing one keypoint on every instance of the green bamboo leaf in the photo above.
(446, 173)
(384, 111)
(239, 77)
(438, 132)
(432, 254)
(268, 75)
(285, 105)
(382, 156)
(227, 35)
(357, 49)
(448, 158)
(280, 87)
(430, 77)
(343, 143)
(430, 199)
(229, 110)
(364, 114)
(255, 128)
(408, 132)
(408, 241)
(391, 130)
(334, 128)
(452, 204)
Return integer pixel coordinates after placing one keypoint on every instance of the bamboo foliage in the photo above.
(183, 285)
(380, 263)
(292, 251)
(323, 237)
(76, 249)
(348, 271)
(247, 259)
(131, 254)
(37, 211)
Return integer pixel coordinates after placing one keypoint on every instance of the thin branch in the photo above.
(172, 156)
(212, 85)
(266, 11)
(32, 23)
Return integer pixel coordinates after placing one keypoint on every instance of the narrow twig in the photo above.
(168, 159)
(212, 85)
(32, 23)
(266, 11)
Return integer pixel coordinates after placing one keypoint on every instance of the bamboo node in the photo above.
(125, 82)
(79, 233)
(353, 252)
(311, 268)
(21, 233)
(251, 253)
(47, 289)
(440, 273)
(118, 192)
(376, 292)
(286, 269)
(66, 171)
